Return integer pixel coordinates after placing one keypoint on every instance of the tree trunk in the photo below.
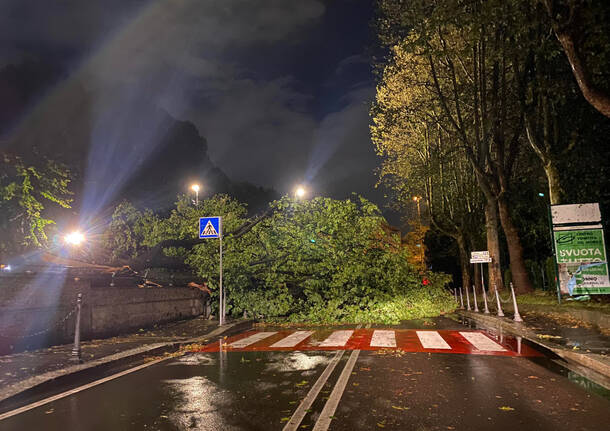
(493, 244)
(518, 271)
(464, 261)
(552, 176)
(598, 98)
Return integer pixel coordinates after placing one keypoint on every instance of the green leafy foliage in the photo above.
(25, 190)
(128, 229)
(320, 260)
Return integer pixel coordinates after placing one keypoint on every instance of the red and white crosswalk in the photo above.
(441, 341)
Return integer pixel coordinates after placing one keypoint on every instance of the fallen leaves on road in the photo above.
(400, 408)
(547, 337)
(302, 383)
(506, 409)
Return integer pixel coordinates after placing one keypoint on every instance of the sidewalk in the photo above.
(22, 371)
(583, 343)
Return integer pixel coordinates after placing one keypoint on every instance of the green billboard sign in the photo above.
(581, 261)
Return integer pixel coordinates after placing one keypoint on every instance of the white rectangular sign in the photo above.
(576, 213)
(480, 257)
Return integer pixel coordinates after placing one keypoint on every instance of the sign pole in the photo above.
(557, 282)
(221, 319)
(211, 228)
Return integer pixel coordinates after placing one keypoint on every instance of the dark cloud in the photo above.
(191, 58)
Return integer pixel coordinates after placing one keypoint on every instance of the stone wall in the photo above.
(36, 307)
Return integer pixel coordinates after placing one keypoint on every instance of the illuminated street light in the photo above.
(75, 238)
(300, 192)
(195, 188)
(417, 199)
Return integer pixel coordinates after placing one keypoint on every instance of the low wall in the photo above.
(37, 308)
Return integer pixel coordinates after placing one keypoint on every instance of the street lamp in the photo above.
(75, 238)
(300, 192)
(195, 188)
(417, 199)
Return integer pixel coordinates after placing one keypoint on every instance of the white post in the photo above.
(485, 301)
(517, 317)
(461, 299)
(484, 293)
(467, 300)
(500, 313)
(474, 298)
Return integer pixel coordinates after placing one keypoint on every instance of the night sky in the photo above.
(280, 89)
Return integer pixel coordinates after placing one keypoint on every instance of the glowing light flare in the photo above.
(195, 188)
(300, 192)
(75, 238)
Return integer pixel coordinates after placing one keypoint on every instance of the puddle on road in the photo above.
(550, 361)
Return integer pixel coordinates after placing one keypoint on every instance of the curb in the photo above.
(32, 382)
(591, 361)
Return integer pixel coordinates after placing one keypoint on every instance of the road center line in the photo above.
(301, 411)
(330, 407)
(335, 396)
(76, 390)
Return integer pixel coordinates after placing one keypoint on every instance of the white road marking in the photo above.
(302, 410)
(293, 339)
(255, 338)
(330, 407)
(383, 339)
(482, 342)
(76, 390)
(432, 340)
(337, 339)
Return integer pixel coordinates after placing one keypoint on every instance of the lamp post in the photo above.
(417, 199)
(195, 188)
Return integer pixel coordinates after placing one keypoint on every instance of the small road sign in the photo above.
(210, 227)
(480, 257)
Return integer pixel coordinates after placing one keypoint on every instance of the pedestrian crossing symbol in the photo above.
(210, 227)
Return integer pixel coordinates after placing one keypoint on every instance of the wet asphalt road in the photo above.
(260, 390)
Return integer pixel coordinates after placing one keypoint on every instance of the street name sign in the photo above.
(480, 257)
(210, 227)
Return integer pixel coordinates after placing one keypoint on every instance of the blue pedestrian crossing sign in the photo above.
(210, 227)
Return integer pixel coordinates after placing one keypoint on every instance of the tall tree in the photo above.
(466, 63)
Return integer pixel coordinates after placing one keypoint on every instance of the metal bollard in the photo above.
(517, 317)
(500, 313)
(468, 300)
(461, 300)
(455, 296)
(474, 298)
(485, 301)
(76, 352)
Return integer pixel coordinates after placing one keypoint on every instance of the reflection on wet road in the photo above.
(388, 387)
